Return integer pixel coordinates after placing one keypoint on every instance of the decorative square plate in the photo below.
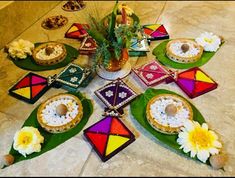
(194, 82)
(138, 48)
(108, 137)
(155, 32)
(30, 88)
(116, 94)
(72, 75)
(152, 73)
(77, 31)
(88, 46)
(139, 45)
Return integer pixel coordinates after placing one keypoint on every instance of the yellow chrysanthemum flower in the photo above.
(198, 140)
(27, 141)
(128, 10)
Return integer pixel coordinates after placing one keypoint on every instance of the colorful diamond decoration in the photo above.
(139, 45)
(30, 88)
(72, 75)
(155, 32)
(108, 137)
(194, 82)
(88, 46)
(77, 31)
(152, 73)
(116, 94)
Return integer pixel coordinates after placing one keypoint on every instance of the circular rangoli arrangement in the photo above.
(60, 113)
(50, 53)
(183, 51)
(167, 113)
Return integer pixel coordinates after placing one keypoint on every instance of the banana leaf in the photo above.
(51, 140)
(99, 38)
(160, 53)
(138, 110)
(29, 64)
(112, 22)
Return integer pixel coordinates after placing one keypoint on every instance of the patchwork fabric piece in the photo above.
(194, 82)
(88, 46)
(73, 75)
(108, 137)
(77, 31)
(116, 94)
(30, 88)
(152, 73)
(155, 32)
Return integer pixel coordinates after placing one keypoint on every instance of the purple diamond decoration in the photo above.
(116, 94)
(102, 126)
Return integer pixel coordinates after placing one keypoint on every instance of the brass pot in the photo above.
(116, 65)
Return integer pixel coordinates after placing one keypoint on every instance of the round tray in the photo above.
(67, 126)
(49, 62)
(104, 74)
(159, 127)
(160, 53)
(29, 63)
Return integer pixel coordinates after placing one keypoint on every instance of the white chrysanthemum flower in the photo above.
(198, 140)
(128, 10)
(209, 41)
(20, 49)
(27, 141)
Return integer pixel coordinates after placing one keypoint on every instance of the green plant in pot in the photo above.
(113, 41)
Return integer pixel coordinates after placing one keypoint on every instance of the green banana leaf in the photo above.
(160, 53)
(99, 38)
(53, 140)
(138, 110)
(112, 22)
(29, 64)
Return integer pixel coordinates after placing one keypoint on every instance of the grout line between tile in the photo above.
(85, 164)
(163, 8)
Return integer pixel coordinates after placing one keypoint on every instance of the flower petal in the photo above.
(203, 155)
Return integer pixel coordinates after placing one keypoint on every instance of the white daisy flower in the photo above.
(198, 140)
(209, 41)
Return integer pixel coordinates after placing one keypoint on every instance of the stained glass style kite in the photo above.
(194, 82)
(30, 88)
(108, 137)
(155, 32)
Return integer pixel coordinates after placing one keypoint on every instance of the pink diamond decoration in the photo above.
(152, 73)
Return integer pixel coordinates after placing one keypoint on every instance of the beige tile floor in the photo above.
(146, 156)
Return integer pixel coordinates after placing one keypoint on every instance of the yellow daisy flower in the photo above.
(128, 10)
(198, 140)
(27, 141)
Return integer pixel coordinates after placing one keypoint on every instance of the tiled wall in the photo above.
(17, 16)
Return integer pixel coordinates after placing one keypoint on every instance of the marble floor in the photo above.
(146, 156)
